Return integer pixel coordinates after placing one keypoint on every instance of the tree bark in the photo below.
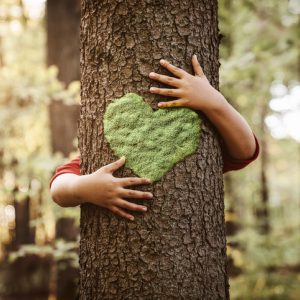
(176, 250)
(63, 23)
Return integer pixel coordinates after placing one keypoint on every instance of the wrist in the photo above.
(217, 106)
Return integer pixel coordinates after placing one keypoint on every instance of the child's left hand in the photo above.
(192, 91)
(195, 91)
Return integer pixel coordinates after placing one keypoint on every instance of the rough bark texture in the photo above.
(63, 21)
(176, 250)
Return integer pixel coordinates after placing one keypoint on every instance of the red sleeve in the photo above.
(73, 166)
(231, 163)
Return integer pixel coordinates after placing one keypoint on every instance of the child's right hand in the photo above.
(103, 189)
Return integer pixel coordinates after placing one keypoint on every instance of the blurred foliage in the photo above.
(59, 251)
(261, 45)
(27, 86)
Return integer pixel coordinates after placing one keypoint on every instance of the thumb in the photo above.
(196, 66)
(112, 167)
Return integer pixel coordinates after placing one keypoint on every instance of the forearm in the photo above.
(196, 93)
(233, 128)
(63, 191)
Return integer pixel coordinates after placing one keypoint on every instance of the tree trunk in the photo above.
(176, 250)
(63, 22)
(63, 126)
(23, 233)
(262, 211)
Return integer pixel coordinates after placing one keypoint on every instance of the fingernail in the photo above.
(162, 61)
(151, 74)
(159, 104)
(144, 208)
(131, 218)
(150, 195)
(148, 180)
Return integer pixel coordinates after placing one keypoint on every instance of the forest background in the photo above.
(259, 75)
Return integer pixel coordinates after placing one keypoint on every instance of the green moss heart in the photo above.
(151, 141)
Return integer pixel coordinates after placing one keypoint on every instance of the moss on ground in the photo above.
(151, 141)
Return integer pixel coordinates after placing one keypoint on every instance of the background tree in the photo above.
(178, 248)
(62, 27)
(63, 20)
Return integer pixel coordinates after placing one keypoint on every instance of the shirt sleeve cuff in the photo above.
(72, 167)
(231, 163)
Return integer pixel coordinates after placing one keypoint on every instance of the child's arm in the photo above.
(99, 188)
(197, 93)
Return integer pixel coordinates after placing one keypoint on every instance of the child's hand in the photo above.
(103, 189)
(197, 93)
(192, 91)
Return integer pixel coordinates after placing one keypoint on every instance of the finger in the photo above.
(121, 213)
(128, 181)
(174, 103)
(131, 206)
(126, 193)
(196, 66)
(174, 70)
(165, 92)
(165, 79)
(115, 165)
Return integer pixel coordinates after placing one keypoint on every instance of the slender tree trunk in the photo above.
(63, 126)
(1, 54)
(63, 22)
(263, 211)
(232, 224)
(177, 250)
(23, 233)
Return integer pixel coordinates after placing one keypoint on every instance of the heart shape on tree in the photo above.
(152, 141)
